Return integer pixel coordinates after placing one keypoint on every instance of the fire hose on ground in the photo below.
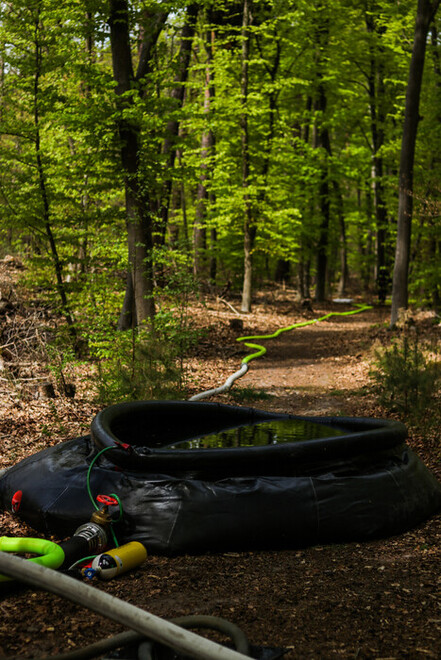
(146, 624)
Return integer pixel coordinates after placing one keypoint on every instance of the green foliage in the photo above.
(144, 364)
(149, 362)
(59, 121)
(406, 376)
(62, 361)
(138, 366)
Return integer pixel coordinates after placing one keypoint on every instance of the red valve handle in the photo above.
(107, 500)
(16, 501)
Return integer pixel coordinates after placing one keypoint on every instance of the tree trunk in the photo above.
(139, 305)
(61, 288)
(172, 129)
(344, 274)
(213, 260)
(365, 242)
(375, 80)
(435, 251)
(304, 278)
(324, 202)
(321, 140)
(425, 13)
(249, 229)
(283, 271)
(435, 246)
(207, 144)
(175, 207)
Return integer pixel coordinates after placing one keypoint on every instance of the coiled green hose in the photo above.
(51, 554)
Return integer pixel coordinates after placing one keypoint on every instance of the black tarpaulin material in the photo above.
(302, 495)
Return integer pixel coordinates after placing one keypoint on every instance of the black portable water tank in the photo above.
(196, 477)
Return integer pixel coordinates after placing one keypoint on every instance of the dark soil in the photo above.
(377, 600)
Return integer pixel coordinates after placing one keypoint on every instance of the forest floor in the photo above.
(380, 599)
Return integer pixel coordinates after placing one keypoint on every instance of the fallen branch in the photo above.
(228, 305)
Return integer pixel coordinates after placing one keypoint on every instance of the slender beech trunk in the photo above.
(283, 266)
(172, 129)
(176, 201)
(344, 273)
(207, 145)
(426, 11)
(249, 228)
(213, 260)
(83, 248)
(304, 277)
(365, 244)
(283, 271)
(2, 83)
(435, 244)
(139, 304)
(376, 87)
(304, 267)
(321, 140)
(61, 288)
(249, 223)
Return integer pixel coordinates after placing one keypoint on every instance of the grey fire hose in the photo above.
(223, 388)
(149, 625)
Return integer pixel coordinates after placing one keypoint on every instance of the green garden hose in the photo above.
(92, 499)
(261, 350)
(51, 554)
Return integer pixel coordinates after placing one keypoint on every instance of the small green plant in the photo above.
(405, 377)
(148, 361)
(142, 364)
(57, 421)
(61, 362)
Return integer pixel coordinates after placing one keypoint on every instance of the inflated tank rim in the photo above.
(115, 428)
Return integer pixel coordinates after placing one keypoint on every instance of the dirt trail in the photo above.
(318, 369)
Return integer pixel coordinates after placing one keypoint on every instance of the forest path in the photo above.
(318, 369)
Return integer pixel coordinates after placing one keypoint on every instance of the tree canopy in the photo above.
(150, 147)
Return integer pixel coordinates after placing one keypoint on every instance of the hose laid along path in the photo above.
(261, 350)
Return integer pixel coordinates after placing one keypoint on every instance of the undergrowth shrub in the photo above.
(143, 364)
(136, 365)
(150, 362)
(61, 360)
(407, 376)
